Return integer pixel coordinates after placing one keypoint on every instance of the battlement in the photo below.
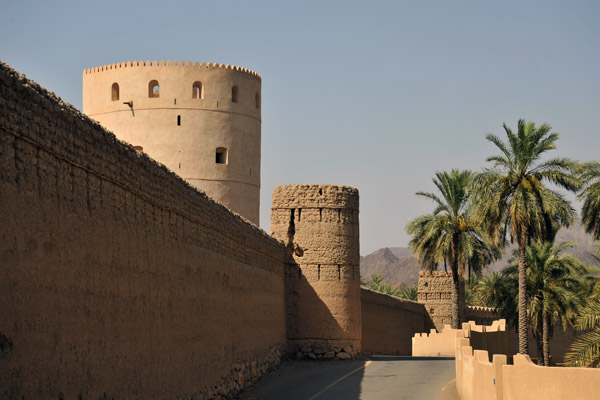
(435, 273)
(481, 315)
(481, 310)
(182, 64)
(314, 196)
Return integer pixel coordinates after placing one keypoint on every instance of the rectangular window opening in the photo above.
(221, 156)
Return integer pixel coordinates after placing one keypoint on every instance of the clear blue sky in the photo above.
(378, 95)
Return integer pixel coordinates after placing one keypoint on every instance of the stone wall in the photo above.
(319, 225)
(435, 293)
(119, 280)
(389, 323)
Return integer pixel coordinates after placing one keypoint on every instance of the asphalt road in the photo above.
(372, 378)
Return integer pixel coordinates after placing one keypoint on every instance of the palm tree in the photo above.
(409, 293)
(512, 200)
(450, 234)
(471, 283)
(590, 212)
(376, 283)
(556, 284)
(585, 350)
(490, 290)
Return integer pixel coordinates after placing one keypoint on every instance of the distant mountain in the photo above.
(398, 267)
(576, 233)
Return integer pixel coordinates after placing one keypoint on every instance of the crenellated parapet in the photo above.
(481, 315)
(435, 273)
(315, 196)
(483, 311)
(169, 63)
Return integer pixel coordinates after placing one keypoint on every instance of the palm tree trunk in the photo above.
(539, 339)
(469, 266)
(455, 301)
(546, 340)
(455, 287)
(523, 339)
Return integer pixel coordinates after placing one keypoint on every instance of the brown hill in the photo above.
(576, 233)
(398, 267)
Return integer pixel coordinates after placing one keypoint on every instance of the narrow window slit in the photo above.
(319, 272)
(235, 94)
(320, 214)
(339, 272)
(179, 120)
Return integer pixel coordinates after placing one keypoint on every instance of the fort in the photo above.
(123, 280)
(132, 264)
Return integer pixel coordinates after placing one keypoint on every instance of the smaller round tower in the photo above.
(319, 225)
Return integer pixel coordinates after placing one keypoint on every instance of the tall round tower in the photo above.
(319, 225)
(203, 121)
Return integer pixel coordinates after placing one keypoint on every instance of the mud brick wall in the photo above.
(119, 280)
(389, 323)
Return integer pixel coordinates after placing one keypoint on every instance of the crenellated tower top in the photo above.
(175, 64)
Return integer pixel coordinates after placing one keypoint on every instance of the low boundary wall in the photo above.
(560, 341)
(443, 344)
(478, 378)
(388, 323)
(119, 280)
(434, 344)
